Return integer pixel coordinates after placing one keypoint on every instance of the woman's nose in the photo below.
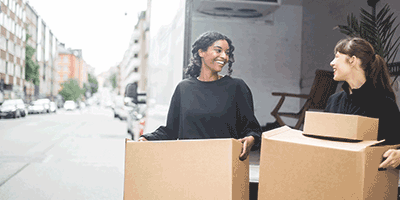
(332, 62)
(224, 55)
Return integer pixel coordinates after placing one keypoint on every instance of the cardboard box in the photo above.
(185, 169)
(295, 166)
(352, 127)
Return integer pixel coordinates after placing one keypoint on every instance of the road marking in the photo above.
(49, 157)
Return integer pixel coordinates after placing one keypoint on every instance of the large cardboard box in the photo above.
(352, 127)
(295, 166)
(185, 169)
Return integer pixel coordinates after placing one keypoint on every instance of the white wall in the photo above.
(267, 56)
(165, 62)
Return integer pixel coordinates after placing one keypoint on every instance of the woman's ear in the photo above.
(201, 53)
(353, 60)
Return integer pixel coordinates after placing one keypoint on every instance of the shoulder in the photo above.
(238, 82)
(187, 82)
(338, 95)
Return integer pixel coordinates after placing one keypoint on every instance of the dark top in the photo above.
(217, 109)
(370, 102)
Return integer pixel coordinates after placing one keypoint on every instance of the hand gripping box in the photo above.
(345, 126)
(295, 166)
(185, 169)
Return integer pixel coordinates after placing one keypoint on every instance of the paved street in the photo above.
(68, 155)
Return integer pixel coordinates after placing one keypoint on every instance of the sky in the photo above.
(102, 29)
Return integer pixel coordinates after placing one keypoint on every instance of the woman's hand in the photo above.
(392, 159)
(247, 142)
(142, 139)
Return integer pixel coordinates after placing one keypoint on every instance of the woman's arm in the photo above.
(171, 130)
(248, 126)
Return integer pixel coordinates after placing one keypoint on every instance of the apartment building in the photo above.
(71, 65)
(32, 19)
(47, 54)
(134, 63)
(12, 49)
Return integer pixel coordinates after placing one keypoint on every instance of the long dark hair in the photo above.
(374, 65)
(204, 41)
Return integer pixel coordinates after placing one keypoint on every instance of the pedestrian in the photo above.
(209, 105)
(366, 90)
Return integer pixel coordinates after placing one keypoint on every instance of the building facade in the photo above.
(32, 19)
(70, 65)
(12, 49)
(132, 68)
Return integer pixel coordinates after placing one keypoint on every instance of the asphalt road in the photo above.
(67, 155)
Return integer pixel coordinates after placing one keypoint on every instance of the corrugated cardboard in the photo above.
(352, 127)
(295, 166)
(185, 169)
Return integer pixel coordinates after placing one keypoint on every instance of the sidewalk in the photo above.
(76, 168)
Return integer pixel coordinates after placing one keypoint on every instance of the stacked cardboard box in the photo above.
(335, 158)
(185, 169)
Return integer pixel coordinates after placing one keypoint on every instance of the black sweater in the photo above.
(370, 102)
(217, 109)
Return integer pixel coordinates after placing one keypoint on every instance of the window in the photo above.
(65, 78)
(136, 55)
(136, 41)
(65, 68)
(3, 43)
(2, 66)
(1, 18)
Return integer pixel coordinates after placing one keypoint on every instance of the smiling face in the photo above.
(216, 56)
(341, 67)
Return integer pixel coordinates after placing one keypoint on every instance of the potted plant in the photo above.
(379, 30)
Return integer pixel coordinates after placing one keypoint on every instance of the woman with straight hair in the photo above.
(208, 105)
(366, 91)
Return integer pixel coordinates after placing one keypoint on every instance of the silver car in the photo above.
(12, 108)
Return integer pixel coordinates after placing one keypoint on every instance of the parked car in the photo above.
(36, 107)
(46, 104)
(136, 121)
(10, 108)
(22, 107)
(120, 110)
(53, 107)
(69, 105)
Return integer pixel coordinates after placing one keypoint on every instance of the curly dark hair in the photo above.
(204, 41)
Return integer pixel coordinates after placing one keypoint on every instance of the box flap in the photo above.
(296, 136)
(275, 131)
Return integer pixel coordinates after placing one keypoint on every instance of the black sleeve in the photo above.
(247, 122)
(171, 130)
(389, 118)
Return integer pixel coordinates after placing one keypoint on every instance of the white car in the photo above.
(53, 107)
(36, 107)
(46, 104)
(69, 105)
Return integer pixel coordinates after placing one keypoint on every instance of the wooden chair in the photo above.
(323, 87)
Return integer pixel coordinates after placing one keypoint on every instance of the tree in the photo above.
(113, 80)
(93, 84)
(71, 90)
(31, 67)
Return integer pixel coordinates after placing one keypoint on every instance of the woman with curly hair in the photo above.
(208, 105)
(366, 91)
